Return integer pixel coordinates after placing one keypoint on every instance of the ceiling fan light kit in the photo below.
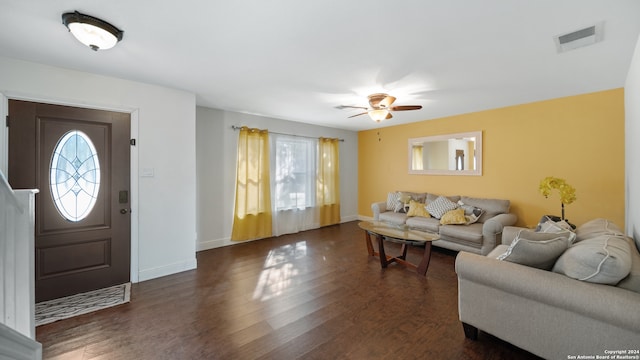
(379, 114)
(95, 33)
(386, 101)
(380, 107)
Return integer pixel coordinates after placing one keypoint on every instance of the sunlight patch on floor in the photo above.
(279, 271)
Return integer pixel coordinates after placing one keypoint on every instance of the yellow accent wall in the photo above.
(578, 138)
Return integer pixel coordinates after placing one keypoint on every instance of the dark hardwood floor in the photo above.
(311, 295)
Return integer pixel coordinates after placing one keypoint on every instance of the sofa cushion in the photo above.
(417, 209)
(453, 217)
(467, 234)
(604, 259)
(423, 223)
(632, 281)
(491, 207)
(393, 217)
(536, 249)
(440, 206)
(597, 227)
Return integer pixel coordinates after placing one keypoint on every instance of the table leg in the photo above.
(367, 239)
(381, 253)
(424, 264)
(403, 252)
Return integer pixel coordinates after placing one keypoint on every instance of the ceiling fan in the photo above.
(380, 107)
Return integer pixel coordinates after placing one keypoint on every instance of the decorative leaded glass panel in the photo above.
(74, 175)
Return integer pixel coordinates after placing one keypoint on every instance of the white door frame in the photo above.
(134, 113)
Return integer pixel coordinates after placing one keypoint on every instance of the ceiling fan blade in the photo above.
(405, 107)
(341, 107)
(380, 107)
(387, 101)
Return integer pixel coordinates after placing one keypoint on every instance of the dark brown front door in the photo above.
(79, 160)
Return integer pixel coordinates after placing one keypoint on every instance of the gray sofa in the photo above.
(480, 237)
(548, 313)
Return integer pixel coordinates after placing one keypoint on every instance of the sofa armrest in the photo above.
(377, 208)
(492, 230)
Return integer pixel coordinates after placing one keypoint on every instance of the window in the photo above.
(295, 172)
(74, 175)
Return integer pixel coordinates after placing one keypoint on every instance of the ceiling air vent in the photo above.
(579, 38)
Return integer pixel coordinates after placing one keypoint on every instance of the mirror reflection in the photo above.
(449, 154)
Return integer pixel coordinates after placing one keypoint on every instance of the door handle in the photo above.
(124, 211)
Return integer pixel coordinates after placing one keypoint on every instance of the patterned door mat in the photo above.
(74, 305)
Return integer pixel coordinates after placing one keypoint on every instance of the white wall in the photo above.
(163, 121)
(632, 146)
(216, 160)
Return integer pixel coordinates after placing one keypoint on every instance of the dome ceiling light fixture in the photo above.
(93, 32)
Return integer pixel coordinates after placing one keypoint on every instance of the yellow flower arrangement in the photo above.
(566, 191)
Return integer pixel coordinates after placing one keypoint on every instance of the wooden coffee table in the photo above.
(399, 234)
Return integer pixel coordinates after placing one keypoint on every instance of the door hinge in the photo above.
(132, 142)
(7, 120)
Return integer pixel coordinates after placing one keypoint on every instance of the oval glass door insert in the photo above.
(74, 175)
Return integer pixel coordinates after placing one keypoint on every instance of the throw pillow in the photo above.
(402, 203)
(440, 206)
(550, 223)
(491, 207)
(419, 197)
(551, 226)
(453, 217)
(392, 199)
(535, 249)
(471, 213)
(632, 281)
(417, 209)
(596, 227)
(404, 198)
(604, 259)
(433, 197)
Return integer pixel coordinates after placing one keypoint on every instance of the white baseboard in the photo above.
(212, 244)
(349, 218)
(148, 274)
(14, 345)
(216, 243)
(365, 218)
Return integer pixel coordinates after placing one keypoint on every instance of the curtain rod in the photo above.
(279, 133)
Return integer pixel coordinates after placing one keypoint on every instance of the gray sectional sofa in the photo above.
(479, 237)
(584, 305)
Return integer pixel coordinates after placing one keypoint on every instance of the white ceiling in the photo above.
(297, 59)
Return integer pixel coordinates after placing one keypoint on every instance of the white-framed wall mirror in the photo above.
(449, 154)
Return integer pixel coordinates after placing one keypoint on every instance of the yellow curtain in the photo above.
(417, 162)
(252, 218)
(328, 182)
